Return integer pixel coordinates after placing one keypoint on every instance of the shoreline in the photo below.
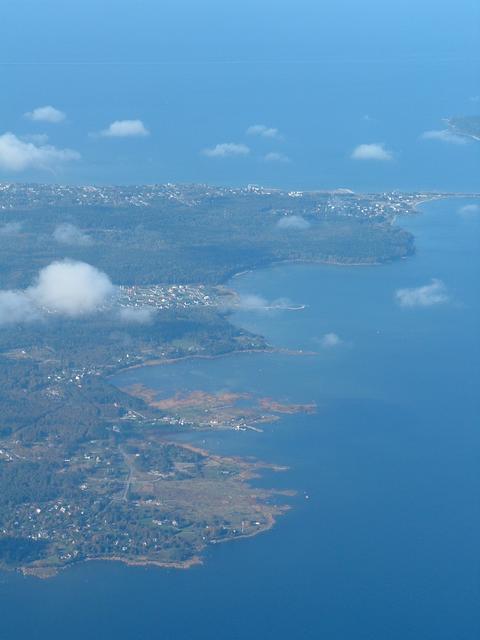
(416, 209)
(271, 519)
(46, 573)
(154, 362)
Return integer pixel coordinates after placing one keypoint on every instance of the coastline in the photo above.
(271, 520)
(199, 356)
(444, 196)
(45, 573)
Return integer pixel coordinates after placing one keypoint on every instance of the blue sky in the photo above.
(328, 76)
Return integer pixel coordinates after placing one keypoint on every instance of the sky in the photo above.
(302, 94)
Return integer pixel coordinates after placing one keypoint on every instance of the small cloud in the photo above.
(10, 228)
(16, 307)
(426, 296)
(46, 114)
(66, 287)
(227, 150)
(71, 288)
(293, 222)
(17, 155)
(469, 210)
(444, 135)
(253, 302)
(374, 151)
(69, 234)
(331, 340)
(137, 315)
(263, 131)
(276, 157)
(125, 129)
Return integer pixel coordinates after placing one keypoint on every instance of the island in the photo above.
(467, 126)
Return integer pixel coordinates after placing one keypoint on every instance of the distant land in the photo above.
(468, 126)
(87, 470)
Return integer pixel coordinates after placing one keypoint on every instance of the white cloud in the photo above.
(293, 222)
(444, 135)
(253, 302)
(137, 315)
(67, 233)
(46, 114)
(227, 150)
(66, 287)
(374, 151)
(17, 155)
(425, 296)
(71, 288)
(125, 129)
(274, 156)
(331, 340)
(15, 307)
(263, 131)
(10, 228)
(469, 210)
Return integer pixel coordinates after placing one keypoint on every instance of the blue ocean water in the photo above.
(387, 543)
